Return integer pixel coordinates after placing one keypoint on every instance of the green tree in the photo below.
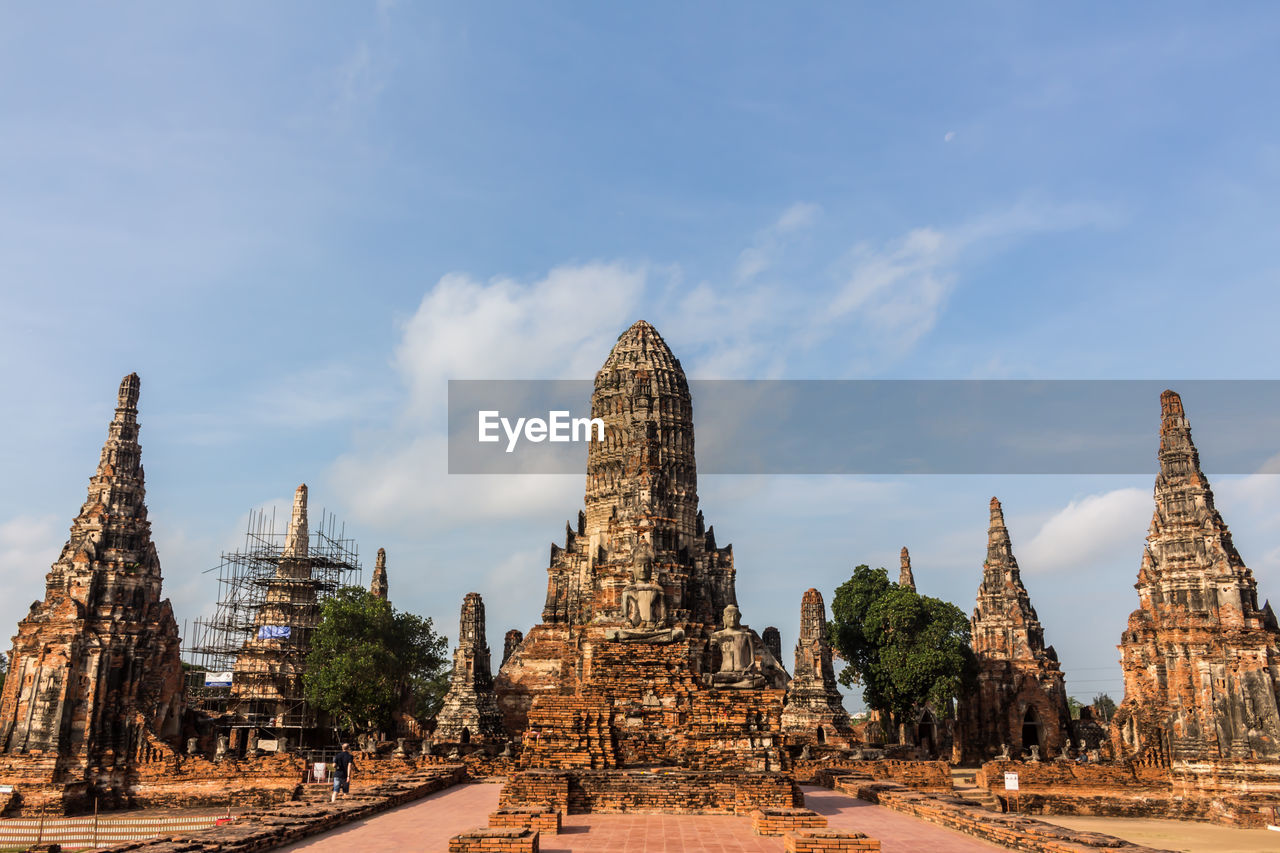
(905, 649)
(1073, 707)
(365, 657)
(1104, 706)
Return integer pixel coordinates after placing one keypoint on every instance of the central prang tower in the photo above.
(640, 610)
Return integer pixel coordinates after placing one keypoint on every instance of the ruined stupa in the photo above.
(1201, 659)
(1021, 697)
(815, 712)
(641, 658)
(470, 711)
(95, 681)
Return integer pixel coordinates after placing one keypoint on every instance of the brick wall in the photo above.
(666, 791)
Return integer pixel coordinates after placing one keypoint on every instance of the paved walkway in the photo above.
(898, 832)
(425, 825)
(428, 824)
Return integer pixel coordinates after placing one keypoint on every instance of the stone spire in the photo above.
(814, 710)
(1005, 624)
(1021, 698)
(470, 712)
(510, 643)
(773, 642)
(295, 541)
(905, 578)
(641, 489)
(1199, 657)
(95, 673)
(378, 586)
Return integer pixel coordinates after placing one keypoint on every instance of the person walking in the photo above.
(343, 766)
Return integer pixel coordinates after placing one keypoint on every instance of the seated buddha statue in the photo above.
(644, 605)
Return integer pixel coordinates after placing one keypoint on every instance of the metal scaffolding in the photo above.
(245, 662)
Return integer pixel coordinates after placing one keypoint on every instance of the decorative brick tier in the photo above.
(782, 821)
(1012, 831)
(499, 840)
(544, 820)
(828, 841)
(658, 791)
(921, 775)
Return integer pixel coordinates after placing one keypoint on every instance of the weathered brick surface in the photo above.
(828, 841)
(921, 775)
(781, 821)
(495, 840)
(1021, 699)
(285, 824)
(541, 818)
(1012, 831)
(666, 791)
(95, 682)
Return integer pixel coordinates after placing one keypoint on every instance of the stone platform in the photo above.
(668, 791)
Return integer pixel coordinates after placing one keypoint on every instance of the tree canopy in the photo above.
(905, 649)
(366, 659)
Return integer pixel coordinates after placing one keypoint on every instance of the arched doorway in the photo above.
(1031, 730)
(927, 732)
(822, 735)
(466, 735)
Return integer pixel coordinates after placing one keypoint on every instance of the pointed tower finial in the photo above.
(905, 578)
(295, 541)
(378, 587)
(999, 546)
(127, 398)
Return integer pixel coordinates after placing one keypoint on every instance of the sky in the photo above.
(297, 224)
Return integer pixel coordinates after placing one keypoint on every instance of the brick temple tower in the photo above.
(94, 677)
(1201, 660)
(1021, 698)
(905, 577)
(637, 625)
(470, 712)
(815, 711)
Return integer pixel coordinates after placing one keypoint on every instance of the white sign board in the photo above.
(6, 789)
(317, 771)
(1011, 781)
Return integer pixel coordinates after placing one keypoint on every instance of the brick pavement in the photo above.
(898, 833)
(428, 824)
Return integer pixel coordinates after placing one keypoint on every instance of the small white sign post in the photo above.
(1011, 784)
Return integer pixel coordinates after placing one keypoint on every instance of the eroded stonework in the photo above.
(95, 681)
(1200, 657)
(815, 711)
(1021, 698)
(379, 586)
(470, 711)
(640, 657)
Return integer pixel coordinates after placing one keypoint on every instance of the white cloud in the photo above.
(1094, 529)
(950, 135)
(558, 327)
(893, 292)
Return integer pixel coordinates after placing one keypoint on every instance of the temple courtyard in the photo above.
(430, 823)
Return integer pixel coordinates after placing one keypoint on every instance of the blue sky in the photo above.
(295, 226)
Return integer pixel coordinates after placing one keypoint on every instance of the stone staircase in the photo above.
(964, 782)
